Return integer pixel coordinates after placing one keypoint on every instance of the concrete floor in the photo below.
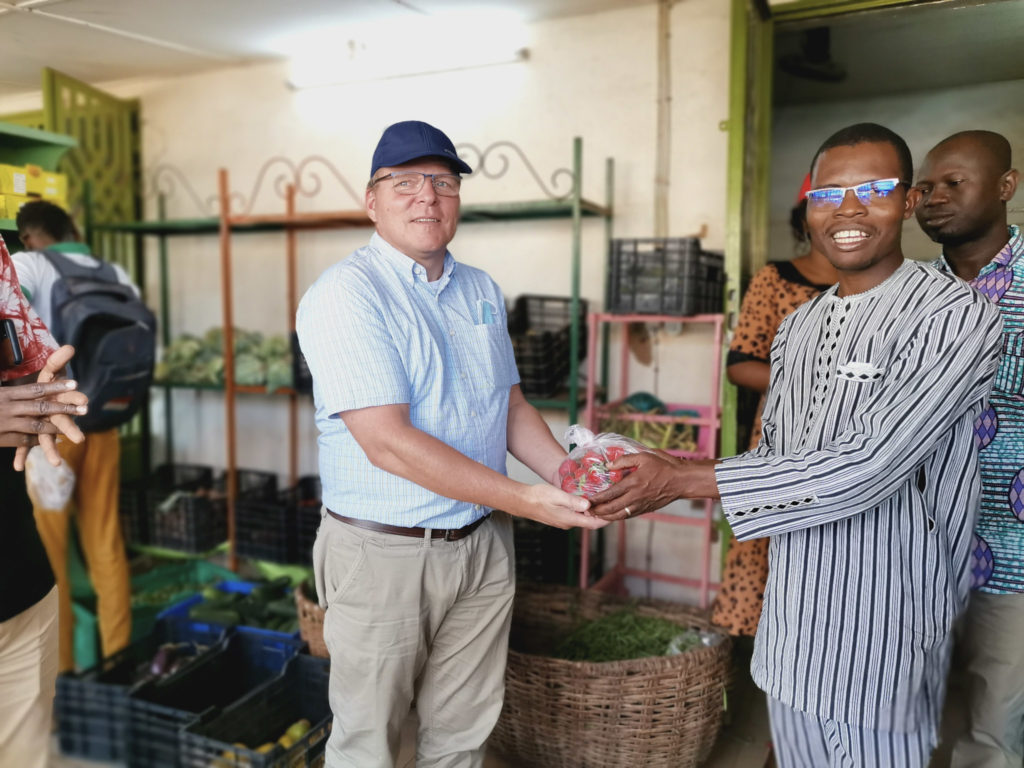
(744, 741)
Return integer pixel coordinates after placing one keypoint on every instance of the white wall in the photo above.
(591, 76)
(922, 119)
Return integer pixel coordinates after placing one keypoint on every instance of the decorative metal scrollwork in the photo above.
(165, 180)
(306, 175)
(501, 158)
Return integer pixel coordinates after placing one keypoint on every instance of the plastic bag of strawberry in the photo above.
(585, 470)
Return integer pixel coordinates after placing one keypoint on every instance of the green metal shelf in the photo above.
(244, 390)
(488, 212)
(559, 402)
(20, 145)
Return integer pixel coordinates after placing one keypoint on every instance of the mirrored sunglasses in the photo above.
(867, 192)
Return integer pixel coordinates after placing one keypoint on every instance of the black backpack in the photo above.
(114, 336)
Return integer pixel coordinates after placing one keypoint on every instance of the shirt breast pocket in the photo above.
(855, 384)
(1010, 375)
(495, 362)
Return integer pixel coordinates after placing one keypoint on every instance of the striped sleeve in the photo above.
(946, 367)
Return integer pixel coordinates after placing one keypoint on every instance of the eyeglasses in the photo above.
(411, 182)
(867, 193)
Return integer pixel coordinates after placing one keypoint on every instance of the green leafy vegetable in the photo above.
(623, 635)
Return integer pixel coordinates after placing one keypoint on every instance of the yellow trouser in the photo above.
(96, 464)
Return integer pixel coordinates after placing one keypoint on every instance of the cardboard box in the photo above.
(49, 185)
(9, 205)
(13, 180)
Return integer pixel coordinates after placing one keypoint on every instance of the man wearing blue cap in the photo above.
(418, 403)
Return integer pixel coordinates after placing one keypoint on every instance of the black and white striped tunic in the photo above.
(866, 480)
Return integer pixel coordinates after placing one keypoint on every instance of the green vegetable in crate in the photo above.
(272, 590)
(213, 615)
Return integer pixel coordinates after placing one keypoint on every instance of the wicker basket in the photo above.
(658, 711)
(311, 622)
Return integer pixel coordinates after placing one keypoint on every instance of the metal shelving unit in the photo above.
(572, 206)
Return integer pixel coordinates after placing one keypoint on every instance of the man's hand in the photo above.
(657, 479)
(61, 420)
(553, 506)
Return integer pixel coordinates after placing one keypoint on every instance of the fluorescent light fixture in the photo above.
(406, 47)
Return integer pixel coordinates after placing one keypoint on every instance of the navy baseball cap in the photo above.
(411, 140)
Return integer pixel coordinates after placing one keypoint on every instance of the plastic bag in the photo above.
(50, 487)
(585, 470)
(691, 639)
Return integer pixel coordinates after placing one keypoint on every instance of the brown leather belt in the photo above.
(448, 534)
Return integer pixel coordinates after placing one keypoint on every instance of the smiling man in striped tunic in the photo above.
(866, 477)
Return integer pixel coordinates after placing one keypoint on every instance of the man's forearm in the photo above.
(530, 440)
(433, 464)
(697, 479)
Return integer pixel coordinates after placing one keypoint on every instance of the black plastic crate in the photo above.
(543, 553)
(174, 508)
(279, 529)
(540, 328)
(91, 707)
(536, 320)
(250, 483)
(302, 379)
(308, 501)
(714, 295)
(262, 717)
(670, 276)
(134, 513)
(263, 528)
(241, 662)
(189, 523)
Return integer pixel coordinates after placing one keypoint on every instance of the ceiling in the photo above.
(107, 40)
(935, 45)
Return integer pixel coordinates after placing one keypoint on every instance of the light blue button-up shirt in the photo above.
(375, 332)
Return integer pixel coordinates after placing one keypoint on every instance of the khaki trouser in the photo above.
(28, 674)
(993, 647)
(96, 464)
(410, 618)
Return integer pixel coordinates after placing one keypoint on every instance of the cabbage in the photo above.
(250, 371)
(279, 374)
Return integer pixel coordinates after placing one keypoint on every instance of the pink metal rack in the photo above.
(709, 422)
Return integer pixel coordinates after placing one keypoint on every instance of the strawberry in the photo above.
(614, 452)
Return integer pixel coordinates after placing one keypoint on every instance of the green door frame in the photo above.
(749, 154)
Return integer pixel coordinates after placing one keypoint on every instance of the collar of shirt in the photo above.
(891, 282)
(69, 246)
(406, 266)
(1008, 254)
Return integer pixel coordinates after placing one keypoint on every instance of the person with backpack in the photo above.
(94, 306)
